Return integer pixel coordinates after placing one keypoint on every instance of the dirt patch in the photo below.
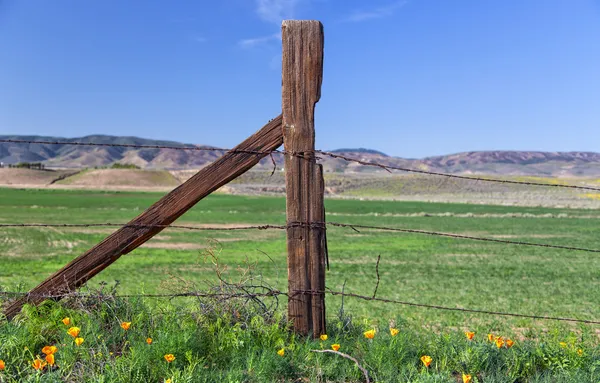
(63, 244)
(173, 246)
(121, 178)
(468, 255)
(31, 177)
(541, 236)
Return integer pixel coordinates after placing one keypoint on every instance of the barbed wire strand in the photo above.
(83, 225)
(319, 225)
(302, 155)
(470, 178)
(447, 308)
(275, 293)
(461, 236)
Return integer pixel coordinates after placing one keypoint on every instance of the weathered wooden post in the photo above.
(302, 73)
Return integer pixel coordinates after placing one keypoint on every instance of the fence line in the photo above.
(354, 227)
(496, 180)
(460, 236)
(302, 155)
(276, 293)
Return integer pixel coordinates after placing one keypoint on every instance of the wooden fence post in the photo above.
(302, 73)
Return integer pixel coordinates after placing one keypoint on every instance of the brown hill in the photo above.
(555, 164)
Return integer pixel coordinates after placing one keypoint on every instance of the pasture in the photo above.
(413, 267)
(225, 341)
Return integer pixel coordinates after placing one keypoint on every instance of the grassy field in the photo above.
(413, 267)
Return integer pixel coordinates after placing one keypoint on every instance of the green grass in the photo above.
(414, 268)
(223, 347)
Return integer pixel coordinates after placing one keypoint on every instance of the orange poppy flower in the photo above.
(50, 359)
(323, 337)
(469, 335)
(370, 334)
(281, 352)
(466, 378)
(394, 331)
(66, 321)
(169, 358)
(38, 364)
(2, 365)
(426, 359)
(499, 342)
(491, 337)
(125, 325)
(48, 350)
(509, 343)
(149, 340)
(78, 341)
(335, 347)
(74, 331)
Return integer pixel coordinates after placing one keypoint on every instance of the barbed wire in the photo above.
(470, 178)
(319, 225)
(461, 236)
(276, 293)
(303, 155)
(84, 225)
(447, 308)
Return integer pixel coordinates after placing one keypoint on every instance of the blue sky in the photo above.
(411, 78)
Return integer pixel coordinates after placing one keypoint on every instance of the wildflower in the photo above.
(499, 342)
(125, 325)
(323, 337)
(335, 347)
(579, 352)
(469, 335)
(370, 334)
(426, 359)
(49, 350)
(74, 331)
(509, 343)
(563, 344)
(50, 359)
(466, 378)
(169, 358)
(2, 365)
(149, 340)
(38, 364)
(281, 352)
(168, 380)
(78, 341)
(394, 331)
(66, 321)
(491, 337)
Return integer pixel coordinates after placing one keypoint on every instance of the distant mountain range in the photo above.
(563, 164)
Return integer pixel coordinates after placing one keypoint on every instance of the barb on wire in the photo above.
(461, 236)
(471, 178)
(447, 308)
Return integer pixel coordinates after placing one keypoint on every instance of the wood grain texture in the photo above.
(163, 212)
(318, 252)
(302, 73)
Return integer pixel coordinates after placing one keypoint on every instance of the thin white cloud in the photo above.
(254, 42)
(274, 11)
(376, 13)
